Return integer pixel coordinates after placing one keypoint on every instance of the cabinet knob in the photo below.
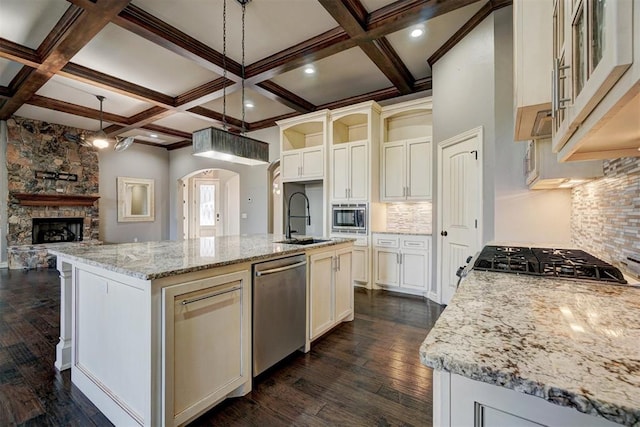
(444, 233)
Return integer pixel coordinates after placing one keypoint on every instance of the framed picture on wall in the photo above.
(135, 199)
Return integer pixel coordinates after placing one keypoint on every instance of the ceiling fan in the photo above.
(101, 140)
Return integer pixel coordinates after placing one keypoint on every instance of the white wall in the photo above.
(139, 161)
(254, 183)
(473, 86)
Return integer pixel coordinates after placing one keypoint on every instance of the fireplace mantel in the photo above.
(27, 199)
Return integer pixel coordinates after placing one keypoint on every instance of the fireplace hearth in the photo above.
(53, 230)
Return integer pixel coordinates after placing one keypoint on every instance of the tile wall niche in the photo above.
(409, 217)
(605, 214)
(38, 146)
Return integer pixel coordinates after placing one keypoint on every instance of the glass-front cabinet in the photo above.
(593, 47)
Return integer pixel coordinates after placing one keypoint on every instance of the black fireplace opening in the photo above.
(53, 230)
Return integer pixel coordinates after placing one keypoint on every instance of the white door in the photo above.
(460, 209)
(206, 207)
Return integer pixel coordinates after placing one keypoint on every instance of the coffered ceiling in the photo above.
(161, 67)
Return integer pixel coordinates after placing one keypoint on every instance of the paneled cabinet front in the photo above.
(406, 170)
(349, 170)
(206, 343)
(331, 290)
(402, 261)
(304, 164)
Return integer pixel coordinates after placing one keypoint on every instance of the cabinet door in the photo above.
(290, 165)
(321, 272)
(209, 330)
(393, 172)
(414, 266)
(313, 163)
(343, 284)
(358, 172)
(419, 170)
(340, 173)
(386, 267)
(360, 264)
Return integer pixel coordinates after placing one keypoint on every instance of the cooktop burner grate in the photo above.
(549, 262)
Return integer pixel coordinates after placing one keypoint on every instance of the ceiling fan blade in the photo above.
(84, 141)
(123, 143)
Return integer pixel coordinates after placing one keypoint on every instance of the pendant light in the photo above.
(99, 139)
(219, 143)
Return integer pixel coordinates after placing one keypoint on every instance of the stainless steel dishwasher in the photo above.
(279, 307)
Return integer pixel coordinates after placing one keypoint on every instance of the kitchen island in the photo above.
(157, 333)
(522, 351)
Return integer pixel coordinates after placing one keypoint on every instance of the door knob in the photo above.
(444, 233)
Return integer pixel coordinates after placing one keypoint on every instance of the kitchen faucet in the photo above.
(289, 216)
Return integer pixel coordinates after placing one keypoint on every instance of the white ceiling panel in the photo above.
(263, 108)
(51, 116)
(122, 54)
(414, 52)
(145, 135)
(337, 77)
(79, 93)
(184, 122)
(27, 22)
(270, 25)
(8, 70)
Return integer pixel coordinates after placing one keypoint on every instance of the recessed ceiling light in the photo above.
(417, 32)
(248, 104)
(309, 70)
(153, 135)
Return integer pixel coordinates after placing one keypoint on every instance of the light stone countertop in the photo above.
(154, 260)
(573, 343)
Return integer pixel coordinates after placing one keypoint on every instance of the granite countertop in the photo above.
(573, 343)
(154, 260)
(404, 232)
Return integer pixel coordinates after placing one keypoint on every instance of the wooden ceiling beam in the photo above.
(143, 24)
(205, 93)
(79, 29)
(232, 123)
(18, 53)
(486, 10)
(277, 93)
(5, 92)
(270, 122)
(167, 131)
(141, 119)
(77, 110)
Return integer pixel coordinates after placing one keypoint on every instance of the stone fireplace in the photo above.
(40, 159)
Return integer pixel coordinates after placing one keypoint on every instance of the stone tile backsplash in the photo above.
(605, 214)
(409, 217)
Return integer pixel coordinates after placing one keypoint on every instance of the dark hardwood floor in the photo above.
(363, 373)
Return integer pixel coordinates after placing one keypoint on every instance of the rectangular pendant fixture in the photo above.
(219, 144)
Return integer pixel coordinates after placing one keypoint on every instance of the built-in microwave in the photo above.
(349, 218)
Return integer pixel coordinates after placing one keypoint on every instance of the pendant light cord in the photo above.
(224, 65)
(244, 130)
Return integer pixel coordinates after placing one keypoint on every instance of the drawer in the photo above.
(415, 242)
(386, 241)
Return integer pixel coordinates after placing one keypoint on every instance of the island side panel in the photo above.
(112, 343)
(63, 349)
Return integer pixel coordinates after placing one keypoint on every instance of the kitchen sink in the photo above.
(302, 241)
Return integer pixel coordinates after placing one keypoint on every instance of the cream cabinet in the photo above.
(406, 151)
(206, 324)
(302, 147)
(593, 50)
(331, 290)
(353, 142)
(406, 170)
(402, 262)
(532, 64)
(460, 401)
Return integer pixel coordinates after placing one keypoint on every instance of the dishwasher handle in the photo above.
(279, 269)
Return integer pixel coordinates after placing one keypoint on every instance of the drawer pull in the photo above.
(215, 294)
(413, 243)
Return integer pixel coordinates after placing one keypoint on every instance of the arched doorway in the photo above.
(275, 223)
(210, 203)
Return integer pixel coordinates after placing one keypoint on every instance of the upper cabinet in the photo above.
(595, 81)
(532, 65)
(406, 148)
(302, 147)
(354, 142)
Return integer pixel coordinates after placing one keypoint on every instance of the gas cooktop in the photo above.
(548, 262)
